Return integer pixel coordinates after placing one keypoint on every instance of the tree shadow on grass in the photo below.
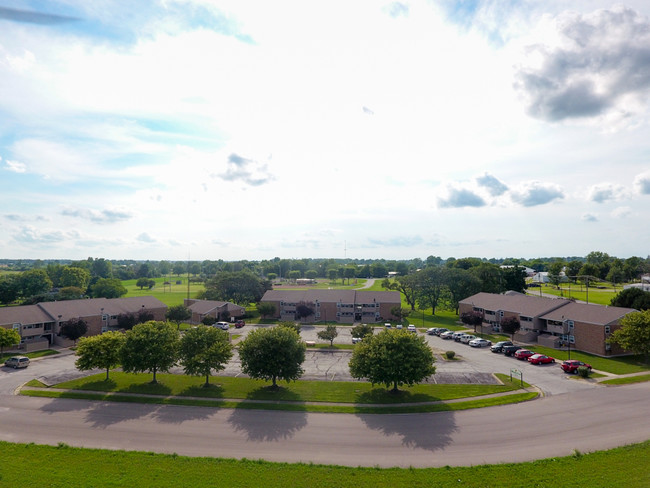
(269, 425)
(147, 388)
(384, 396)
(213, 390)
(431, 432)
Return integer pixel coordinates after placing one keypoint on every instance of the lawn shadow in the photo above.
(383, 396)
(213, 390)
(269, 425)
(431, 432)
(147, 388)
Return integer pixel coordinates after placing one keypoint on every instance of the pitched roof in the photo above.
(588, 313)
(205, 306)
(331, 296)
(527, 305)
(25, 314)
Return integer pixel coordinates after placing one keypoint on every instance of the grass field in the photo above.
(595, 295)
(168, 294)
(31, 355)
(24, 465)
(628, 380)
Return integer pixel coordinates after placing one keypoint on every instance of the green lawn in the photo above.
(627, 380)
(602, 296)
(23, 465)
(168, 294)
(31, 355)
(298, 391)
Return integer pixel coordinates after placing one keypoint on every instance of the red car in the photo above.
(239, 324)
(523, 354)
(572, 365)
(540, 359)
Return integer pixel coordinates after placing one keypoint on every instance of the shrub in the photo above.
(450, 354)
(583, 372)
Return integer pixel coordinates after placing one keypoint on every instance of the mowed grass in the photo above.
(627, 380)
(298, 391)
(601, 296)
(168, 294)
(31, 355)
(23, 465)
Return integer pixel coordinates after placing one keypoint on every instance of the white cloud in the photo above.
(642, 183)
(603, 192)
(621, 212)
(589, 217)
(535, 193)
(15, 166)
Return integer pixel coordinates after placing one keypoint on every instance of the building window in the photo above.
(572, 339)
(607, 329)
(570, 323)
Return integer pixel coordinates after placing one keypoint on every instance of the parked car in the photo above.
(17, 362)
(510, 350)
(387, 325)
(540, 359)
(480, 343)
(523, 354)
(356, 339)
(447, 335)
(239, 324)
(398, 326)
(222, 325)
(498, 347)
(465, 338)
(457, 335)
(411, 328)
(434, 331)
(572, 365)
(440, 330)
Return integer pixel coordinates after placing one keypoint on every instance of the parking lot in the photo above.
(474, 365)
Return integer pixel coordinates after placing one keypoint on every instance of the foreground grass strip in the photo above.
(627, 380)
(295, 407)
(299, 391)
(67, 466)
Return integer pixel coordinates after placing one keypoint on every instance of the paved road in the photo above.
(599, 418)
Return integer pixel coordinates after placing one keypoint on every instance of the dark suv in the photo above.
(498, 347)
(510, 350)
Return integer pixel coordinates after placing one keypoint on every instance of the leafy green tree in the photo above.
(271, 276)
(392, 357)
(431, 284)
(150, 347)
(332, 274)
(9, 288)
(510, 325)
(177, 314)
(573, 269)
(294, 274)
(101, 351)
(310, 274)
(378, 270)
(272, 354)
(72, 276)
(460, 284)
(241, 287)
(291, 325)
(632, 298)
(634, 334)
(179, 268)
(34, 282)
(126, 321)
(70, 293)
(142, 282)
(101, 268)
(304, 310)
(399, 312)
(406, 285)
(554, 273)
(328, 334)
(145, 270)
(204, 350)
(361, 331)
(489, 275)
(349, 272)
(108, 288)
(266, 309)
(73, 329)
(8, 338)
(164, 268)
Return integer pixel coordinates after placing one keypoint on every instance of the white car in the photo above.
(223, 325)
(398, 326)
(447, 335)
(480, 343)
(356, 339)
(411, 328)
(465, 338)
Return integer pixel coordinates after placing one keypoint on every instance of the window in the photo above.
(500, 313)
(572, 339)
(570, 322)
(607, 329)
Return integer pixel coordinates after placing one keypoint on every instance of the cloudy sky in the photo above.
(252, 129)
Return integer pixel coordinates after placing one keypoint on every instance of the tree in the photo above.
(378, 270)
(489, 275)
(8, 338)
(179, 268)
(73, 329)
(203, 350)
(510, 325)
(399, 312)
(294, 275)
(329, 334)
(271, 276)
(272, 354)
(460, 285)
(142, 282)
(150, 347)
(34, 282)
(126, 321)
(178, 314)
(101, 351)
(406, 285)
(554, 273)
(304, 310)
(70, 293)
(573, 269)
(361, 331)
(431, 283)
(73, 276)
(265, 309)
(241, 287)
(349, 272)
(101, 268)
(311, 274)
(634, 334)
(9, 288)
(291, 325)
(108, 288)
(332, 274)
(392, 357)
(471, 319)
(632, 298)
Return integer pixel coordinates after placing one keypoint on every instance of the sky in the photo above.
(196, 129)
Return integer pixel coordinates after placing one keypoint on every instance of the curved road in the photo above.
(597, 418)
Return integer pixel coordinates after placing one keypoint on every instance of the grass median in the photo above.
(230, 392)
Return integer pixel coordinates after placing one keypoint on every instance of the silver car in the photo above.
(17, 362)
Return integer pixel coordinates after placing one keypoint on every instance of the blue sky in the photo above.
(249, 130)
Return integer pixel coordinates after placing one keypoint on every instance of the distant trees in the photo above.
(272, 354)
(632, 298)
(34, 282)
(108, 288)
(241, 287)
(392, 357)
(77, 277)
